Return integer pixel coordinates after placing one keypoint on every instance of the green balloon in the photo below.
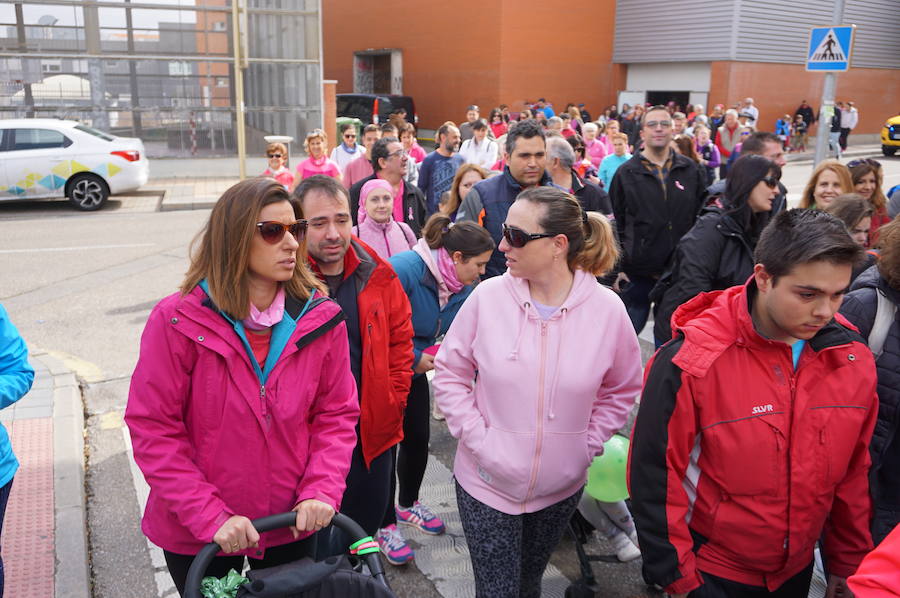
(606, 475)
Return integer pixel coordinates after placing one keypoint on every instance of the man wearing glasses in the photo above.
(348, 150)
(656, 197)
(390, 162)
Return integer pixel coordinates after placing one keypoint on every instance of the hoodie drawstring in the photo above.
(562, 329)
(523, 321)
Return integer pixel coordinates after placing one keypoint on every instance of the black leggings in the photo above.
(179, 564)
(510, 552)
(412, 455)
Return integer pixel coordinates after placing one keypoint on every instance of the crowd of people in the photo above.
(509, 276)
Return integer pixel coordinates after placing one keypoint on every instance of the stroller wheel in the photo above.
(579, 590)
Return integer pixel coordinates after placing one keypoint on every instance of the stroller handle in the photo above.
(272, 522)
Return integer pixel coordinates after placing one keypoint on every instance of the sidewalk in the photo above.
(46, 556)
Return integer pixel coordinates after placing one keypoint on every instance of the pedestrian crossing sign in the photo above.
(829, 48)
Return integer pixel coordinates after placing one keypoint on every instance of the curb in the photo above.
(72, 575)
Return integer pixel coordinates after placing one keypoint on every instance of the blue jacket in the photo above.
(429, 320)
(16, 376)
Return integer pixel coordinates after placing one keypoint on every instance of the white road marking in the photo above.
(79, 248)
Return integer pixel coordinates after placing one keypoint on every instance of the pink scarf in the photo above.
(440, 264)
(260, 320)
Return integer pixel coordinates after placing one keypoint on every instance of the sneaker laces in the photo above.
(392, 539)
(421, 511)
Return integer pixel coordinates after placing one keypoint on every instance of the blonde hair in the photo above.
(620, 136)
(592, 244)
(808, 199)
(316, 134)
(276, 147)
(220, 253)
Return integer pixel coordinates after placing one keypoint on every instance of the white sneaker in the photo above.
(626, 549)
(436, 412)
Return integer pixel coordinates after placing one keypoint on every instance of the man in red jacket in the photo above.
(752, 438)
(379, 327)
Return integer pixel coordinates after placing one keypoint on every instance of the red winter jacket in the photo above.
(385, 326)
(878, 575)
(738, 462)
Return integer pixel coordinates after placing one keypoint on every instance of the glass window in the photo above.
(32, 139)
(94, 132)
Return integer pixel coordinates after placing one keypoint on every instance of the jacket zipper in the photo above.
(540, 421)
(386, 244)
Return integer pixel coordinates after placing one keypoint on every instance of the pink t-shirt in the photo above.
(417, 153)
(283, 176)
(323, 165)
(357, 170)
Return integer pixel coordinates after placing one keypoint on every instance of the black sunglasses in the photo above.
(770, 181)
(517, 238)
(274, 155)
(273, 232)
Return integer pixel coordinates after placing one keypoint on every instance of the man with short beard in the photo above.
(437, 170)
(379, 330)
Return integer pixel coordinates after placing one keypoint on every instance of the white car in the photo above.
(45, 157)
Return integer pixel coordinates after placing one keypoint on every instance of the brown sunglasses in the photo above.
(273, 232)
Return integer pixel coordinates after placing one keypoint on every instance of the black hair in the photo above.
(318, 182)
(800, 236)
(380, 150)
(347, 125)
(526, 129)
(468, 238)
(755, 143)
(744, 176)
(478, 125)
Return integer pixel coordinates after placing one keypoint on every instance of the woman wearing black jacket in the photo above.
(717, 252)
(860, 306)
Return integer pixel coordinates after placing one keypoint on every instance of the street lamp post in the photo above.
(239, 65)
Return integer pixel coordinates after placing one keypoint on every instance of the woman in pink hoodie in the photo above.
(377, 227)
(558, 369)
(242, 403)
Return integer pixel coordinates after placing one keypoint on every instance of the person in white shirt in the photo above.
(752, 110)
(479, 149)
(348, 150)
(849, 119)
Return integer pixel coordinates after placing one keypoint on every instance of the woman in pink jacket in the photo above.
(242, 403)
(558, 369)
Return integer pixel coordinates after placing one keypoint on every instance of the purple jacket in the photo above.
(548, 393)
(213, 442)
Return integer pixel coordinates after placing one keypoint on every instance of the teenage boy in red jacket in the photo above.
(379, 327)
(753, 432)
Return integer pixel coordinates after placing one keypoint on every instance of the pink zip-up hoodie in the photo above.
(548, 393)
(212, 442)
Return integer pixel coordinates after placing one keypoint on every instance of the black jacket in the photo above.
(414, 211)
(860, 306)
(591, 197)
(651, 222)
(714, 255)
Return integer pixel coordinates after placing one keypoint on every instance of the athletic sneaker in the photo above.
(436, 412)
(393, 545)
(421, 517)
(625, 548)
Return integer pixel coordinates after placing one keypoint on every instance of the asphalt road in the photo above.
(81, 285)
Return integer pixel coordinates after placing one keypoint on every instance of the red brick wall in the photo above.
(778, 89)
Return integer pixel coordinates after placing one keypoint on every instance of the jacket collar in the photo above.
(712, 322)
(513, 183)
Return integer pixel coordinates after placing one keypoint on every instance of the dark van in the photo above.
(375, 107)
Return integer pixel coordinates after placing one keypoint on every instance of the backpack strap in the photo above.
(884, 317)
(408, 233)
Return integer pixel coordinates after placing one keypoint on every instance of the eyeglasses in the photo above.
(869, 161)
(518, 238)
(274, 155)
(770, 181)
(400, 152)
(273, 232)
(652, 124)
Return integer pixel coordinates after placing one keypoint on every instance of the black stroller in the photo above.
(332, 577)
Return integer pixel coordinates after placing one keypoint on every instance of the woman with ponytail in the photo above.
(437, 276)
(540, 367)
